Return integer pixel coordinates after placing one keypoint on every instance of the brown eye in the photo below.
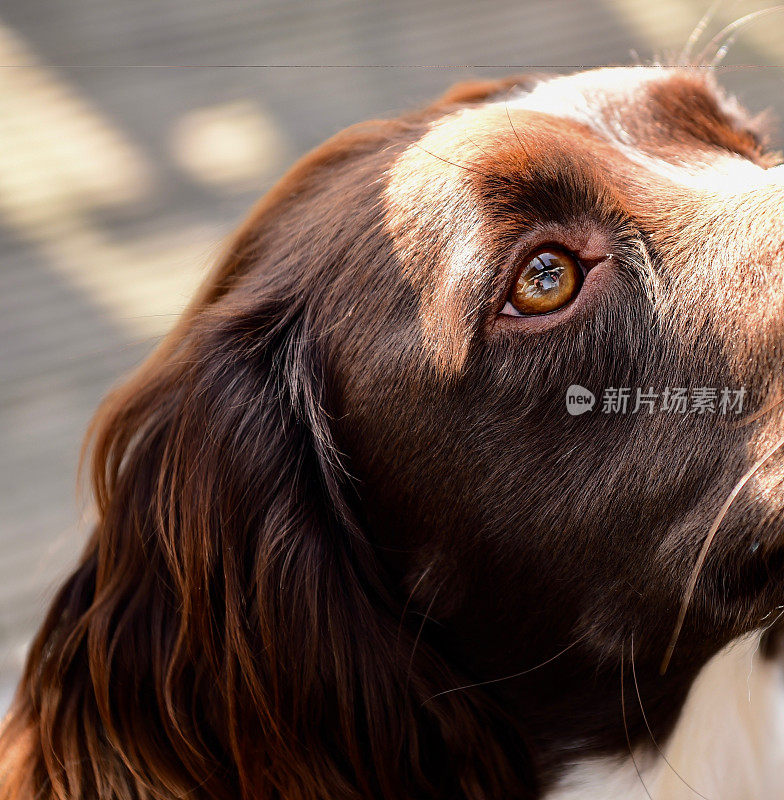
(549, 280)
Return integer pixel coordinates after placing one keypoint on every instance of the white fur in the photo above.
(728, 743)
(569, 97)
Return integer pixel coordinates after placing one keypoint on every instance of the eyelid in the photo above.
(594, 244)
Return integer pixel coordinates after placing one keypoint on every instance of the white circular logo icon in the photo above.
(579, 400)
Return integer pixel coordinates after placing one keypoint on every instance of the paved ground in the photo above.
(133, 136)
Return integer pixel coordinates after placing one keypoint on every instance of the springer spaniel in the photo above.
(353, 542)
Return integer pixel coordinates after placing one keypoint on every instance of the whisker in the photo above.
(509, 677)
(650, 732)
(514, 130)
(730, 31)
(626, 730)
(742, 423)
(425, 618)
(419, 580)
(452, 163)
(706, 546)
(770, 614)
(480, 149)
(696, 34)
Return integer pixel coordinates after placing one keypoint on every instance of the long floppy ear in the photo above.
(228, 632)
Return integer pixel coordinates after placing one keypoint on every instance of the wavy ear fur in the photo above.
(229, 632)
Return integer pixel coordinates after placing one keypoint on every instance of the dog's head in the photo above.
(350, 483)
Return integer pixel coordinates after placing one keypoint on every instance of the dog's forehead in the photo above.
(607, 93)
(674, 122)
(639, 105)
(607, 126)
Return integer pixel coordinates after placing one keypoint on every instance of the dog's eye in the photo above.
(549, 279)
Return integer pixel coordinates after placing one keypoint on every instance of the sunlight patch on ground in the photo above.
(61, 161)
(236, 144)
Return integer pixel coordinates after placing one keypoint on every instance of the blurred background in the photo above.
(135, 135)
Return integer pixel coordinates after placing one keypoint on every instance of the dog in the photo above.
(353, 541)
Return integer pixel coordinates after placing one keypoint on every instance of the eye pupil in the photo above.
(548, 280)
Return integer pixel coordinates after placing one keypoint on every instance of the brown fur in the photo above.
(342, 489)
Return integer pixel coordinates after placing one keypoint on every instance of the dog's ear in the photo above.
(229, 633)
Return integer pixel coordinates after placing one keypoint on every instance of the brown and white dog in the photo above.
(351, 544)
